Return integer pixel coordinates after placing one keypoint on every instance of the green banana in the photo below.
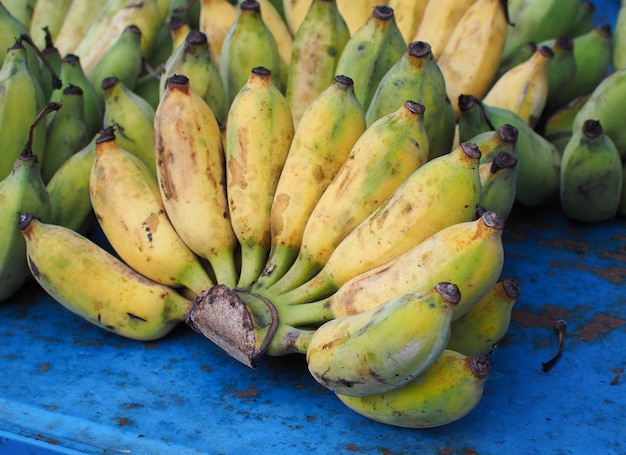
(317, 46)
(591, 175)
(78, 18)
(384, 156)
(377, 351)
(370, 52)
(148, 88)
(48, 14)
(618, 54)
(21, 98)
(416, 76)
(66, 131)
(557, 125)
(584, 21)
(447, 391)
(498, 180)
(193, 59)
(561, 71)
(22, 10)
(247, 44)
(114, 298)
(49, 80)
(133, 119)
(10, 30)
(480, 330)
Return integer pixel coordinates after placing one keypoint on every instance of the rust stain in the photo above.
(122, 422)
(544, 319)
(601, 324)
(250, 392)
(45, 367)
(352, 447)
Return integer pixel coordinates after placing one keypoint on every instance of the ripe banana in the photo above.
(498, 180)
(190, 170)
(409, 14)
(384, 156)
(79, 17)
(480, 330)
(259, 132)
(377, 351)
(216, 17)
(591, 175)
(114, 298)
(447, 391)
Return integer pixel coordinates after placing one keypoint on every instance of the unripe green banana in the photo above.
(591, 175)
(618, 54)
(479, 330)
(114, 298)
(584, 20)
(148, 88)
(247, 44)
(122, 60)
(557, 126)
(385, 155)
(498, 180)
(66, 131)
(190, 169)
(49, 80)
(10, 30)
(259, 132)
(48, 14)
(492, 142)
(193, 59)
(380, 350)
(133, 120)
(443, 192)
(416, 76)
(539, 160)
(315, 53)
(328, 130)
(21, 98)
(22, 10)
(447, 391)
(370, 52)
(188, 12)
(561, 70)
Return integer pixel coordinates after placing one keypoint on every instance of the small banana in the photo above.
(315, 53)
(479, 330)
(492, 142)
(259, 132)
(191, 175)
(279, 29)
(22, 10)
(409, 14)
(328, 130)
(618, 54)
(520, 56)
(10, 29)
(357, 13)
(216, 17)
(584, 21)
(557, 126)
(386, 347)
(133, 119)
(370, 52)
(560, 71)
(114, 297)
(79, 17)
(498, 181)
(591, 175)
(447, 391)
(48, 14)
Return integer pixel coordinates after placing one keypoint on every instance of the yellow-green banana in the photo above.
(10, 30)
(591, 175)
(315, 53)
(498, 181)
(50, 68)
(447, 391)
(22, 10)
(113, 296)
(48, 14)
(79, 17)
(409, 15)
(618, 54)
(479, 330)
(259, 132)
(279, 29)
(216, 17)
(557, 126)
(370, 52)
(379, 350)
(190, 170)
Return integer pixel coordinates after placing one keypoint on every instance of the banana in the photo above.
(21, 190)
(48, 14)
(377, 351)
(191, 175)
(126, 200)
(520, 56)
(193, 59)
(294, 12)
(122, 60)
(438, 21)
(133, 119)
(591, 175)
(409, 14)
(560, 71)
(79, 17)
(315, 53)
(492, 142)
(50, 67)
(557, 127)
(22, 10)
(443, 192)
(538, 159)
(10, 30)
(259, 132)
(584, 21)
(216, 17)
(524, 88)
(618, 54)
(498, 180)
(370, 52)
(186, 10)
(66, 131)
(538, 20)
(328, 130)
(384, 156)
(247, 44)
(471, 57)
(447, 391)
(416, 76)
(278, 28)
(480, 330)
(114, 298)
(357, 13)
(21, 98)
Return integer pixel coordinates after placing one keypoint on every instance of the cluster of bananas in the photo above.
(285, 177)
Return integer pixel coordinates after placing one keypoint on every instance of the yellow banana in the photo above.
(524, 88)
(357, 13)
(79, 17)
(329, 128)
(295, 11)
(384, 156)
(386, 347)
(190, 170)
(114, 297)
(447, 391)
(259, 132)
(216, 17)
(409, 15)
(471, 57)
(276, 24)
(479, 330)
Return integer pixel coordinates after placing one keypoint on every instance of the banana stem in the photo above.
(306, 314)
